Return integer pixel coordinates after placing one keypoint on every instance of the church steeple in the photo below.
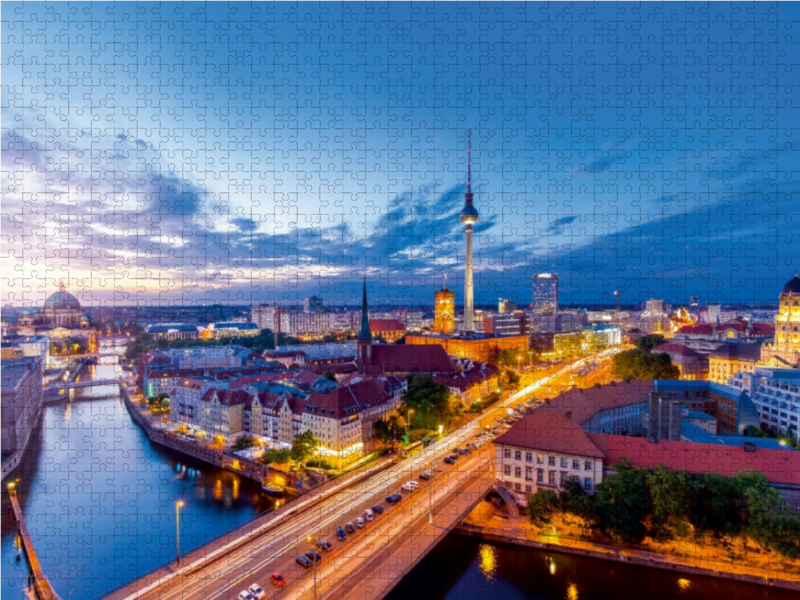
(364, 333)
(364, 356)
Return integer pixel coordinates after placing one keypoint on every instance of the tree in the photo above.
(329, 375)
(509, 380)
(303, 446)
(541, 507)
(430, 402)
(401, 340)
(276, 456)
(639, 364)
(507, 358)
(755, 432)
(243, 441)
(648, 342)
(165, 403)
(573, 499)
(391, 430)
(713, 504)
(671, 499)
(622, 504)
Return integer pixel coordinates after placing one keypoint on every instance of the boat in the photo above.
(272, 490)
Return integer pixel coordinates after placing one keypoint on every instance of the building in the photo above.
(173, 331)
(473, 382)
(545, 293)
(504, 325)
(601, 336)
(469, 216)
(505, 305)
(21, 391)
(692, 364)
(264, 315)
(543, 451)
(61, 309)
(716, 316)
(390, 330)
(568, 344)
(654, 309)
(776, 395)
(444, 311)
(232, 329)
(476, 347)
(312, 304)
(731, 358)
(784, 351)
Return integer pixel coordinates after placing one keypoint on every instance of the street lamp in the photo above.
(178, 505)
(410, 411)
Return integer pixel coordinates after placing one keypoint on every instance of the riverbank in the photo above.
(518, 531)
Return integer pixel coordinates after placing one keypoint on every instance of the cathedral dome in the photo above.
(792, 286)
(62, 300)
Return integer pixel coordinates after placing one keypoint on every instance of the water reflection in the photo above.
(488, 563)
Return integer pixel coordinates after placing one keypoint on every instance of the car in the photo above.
(496, 431)
(314, 555)
(303, 562)
(324, 545)
(369, 514)
(350, 528)
(277, 580)
(426, 475)
(450, 460)
(257, 591)
(414, 484)
(360, 522)
(341, 534)
(393, 499)
(378, 509)
(455, 455)
(245, 595)
(407, 487)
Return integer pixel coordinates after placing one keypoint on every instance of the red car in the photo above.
(278, 580)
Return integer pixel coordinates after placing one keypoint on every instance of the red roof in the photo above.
(763, 329)
(410, 358)
(227, 397)
(671, 348)
(552, 432)
(347, 399)
(585, 403)
(779, 466)
(698, 329)
(376, 325)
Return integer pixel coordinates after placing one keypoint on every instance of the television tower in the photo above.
(469, 216)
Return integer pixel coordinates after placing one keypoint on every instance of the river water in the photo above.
(99, 499)
(461, 568)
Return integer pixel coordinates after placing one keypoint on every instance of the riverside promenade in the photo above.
(41, 585)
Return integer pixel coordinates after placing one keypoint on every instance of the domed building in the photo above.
(62, 309)
(784, 351)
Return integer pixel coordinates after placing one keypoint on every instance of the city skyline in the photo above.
(134, 203)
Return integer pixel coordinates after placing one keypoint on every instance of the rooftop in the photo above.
(550, 431)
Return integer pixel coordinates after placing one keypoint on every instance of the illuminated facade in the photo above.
(444, 311)
(784, 352)
(472, 347)
(545, 293)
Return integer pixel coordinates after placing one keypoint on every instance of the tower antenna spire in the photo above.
(469, 160)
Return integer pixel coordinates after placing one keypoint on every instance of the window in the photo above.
(551, 460)
(563, 478)
(517, 472)
(551, 477)
(507, 469)
(576, 465)
(564, 463)
(539, 459)
(587, 465)
(529, 457)
(507, 453)
(517, 455)
(540, 479)
(587, 484)
(528, 489)
(528, 474)
(517, 486)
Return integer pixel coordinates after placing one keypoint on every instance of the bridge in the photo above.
(368, 563)
(41, 585)
(84, 384)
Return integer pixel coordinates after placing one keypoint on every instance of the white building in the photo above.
(776, 394)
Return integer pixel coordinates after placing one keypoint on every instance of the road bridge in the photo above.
(369, 562)
(84, 384)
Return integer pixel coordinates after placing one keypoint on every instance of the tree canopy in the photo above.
(391, 430)
(648, 342)
(304, 446)
(640, 364)
(431, 402)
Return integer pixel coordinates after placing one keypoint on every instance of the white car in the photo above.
(369, 514)
(413, 484)
(245, 595)
(360, 522)
(257, 591)
(408, 487)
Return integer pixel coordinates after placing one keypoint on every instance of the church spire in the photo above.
(364, 333)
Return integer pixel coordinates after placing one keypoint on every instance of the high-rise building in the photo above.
(654, 308)
(444, 311)
(312, 304)
(469, 216)
(504, 305)
(545, 293)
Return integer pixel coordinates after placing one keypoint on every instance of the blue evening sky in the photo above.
(234, 152)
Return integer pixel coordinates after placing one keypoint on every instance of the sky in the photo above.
(186, 153)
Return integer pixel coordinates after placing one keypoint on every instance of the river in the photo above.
(99, 499)
(462, 568)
